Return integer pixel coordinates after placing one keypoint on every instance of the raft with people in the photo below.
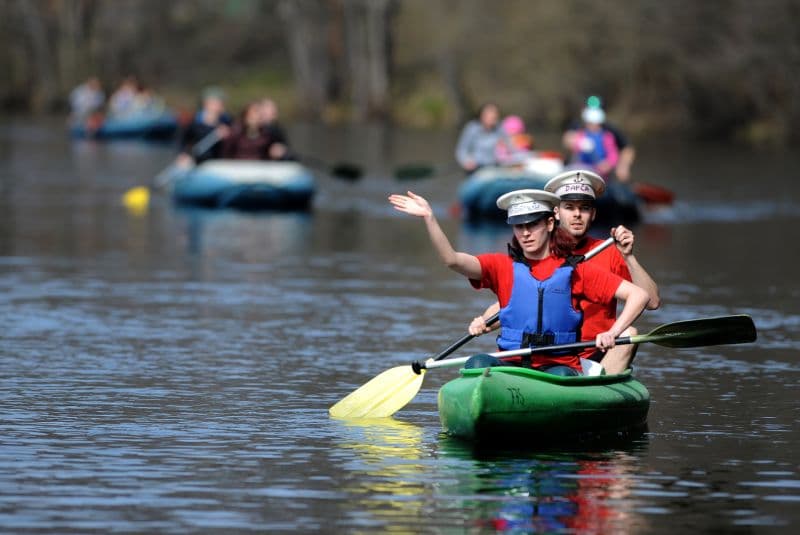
(478, 194)
(244, 185)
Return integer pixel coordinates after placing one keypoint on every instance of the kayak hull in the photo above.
(502, 404)
(245, 185)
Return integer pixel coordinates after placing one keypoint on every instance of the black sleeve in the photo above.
(276, 134)
(620, 138)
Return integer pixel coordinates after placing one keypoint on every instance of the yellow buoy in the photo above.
(136, 199)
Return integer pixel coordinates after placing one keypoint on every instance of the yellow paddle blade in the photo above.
(136, 199)
(382, 396)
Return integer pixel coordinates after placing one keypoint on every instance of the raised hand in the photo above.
(411, 204)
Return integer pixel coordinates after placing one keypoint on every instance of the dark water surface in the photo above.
(171, 372)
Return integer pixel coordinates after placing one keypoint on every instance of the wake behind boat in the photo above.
(245, 185)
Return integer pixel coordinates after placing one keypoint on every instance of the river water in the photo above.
(171, 371)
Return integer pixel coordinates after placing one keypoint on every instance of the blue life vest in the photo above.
(598, 153)
(539, 313)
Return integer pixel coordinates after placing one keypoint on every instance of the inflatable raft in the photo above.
(245, 185)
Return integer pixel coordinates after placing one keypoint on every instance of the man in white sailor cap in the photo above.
(536, 290)
(575, 212)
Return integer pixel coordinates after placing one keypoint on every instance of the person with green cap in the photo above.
(538, 291)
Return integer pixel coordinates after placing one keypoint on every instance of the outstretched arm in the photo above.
(412, 204)
(639, 276)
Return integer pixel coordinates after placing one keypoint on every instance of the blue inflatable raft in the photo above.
(245, 185)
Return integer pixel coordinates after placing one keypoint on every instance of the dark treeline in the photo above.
(723, 69)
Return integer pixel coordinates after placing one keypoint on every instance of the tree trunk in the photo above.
(306, 34)
(367, 44)
(45, 84)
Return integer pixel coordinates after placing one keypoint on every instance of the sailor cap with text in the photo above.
(527, 205)
(576, 185)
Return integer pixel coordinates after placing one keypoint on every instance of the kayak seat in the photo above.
(592, 368)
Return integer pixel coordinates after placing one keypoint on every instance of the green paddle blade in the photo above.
(738, 329)
(382, 396)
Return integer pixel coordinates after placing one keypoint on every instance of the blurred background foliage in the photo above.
(724, 69)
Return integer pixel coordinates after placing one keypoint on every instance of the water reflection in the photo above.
(252, 237)
(546, 490)
(172, 369)
(392, 475)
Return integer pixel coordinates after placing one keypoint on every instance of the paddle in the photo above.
(652, 193)
(167, 175)
(343, 170)
(413, 171)
(703, 332)
(390, 391)
(136, 199)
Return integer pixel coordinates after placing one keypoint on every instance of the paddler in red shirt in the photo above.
(577, 191)
(538, 293)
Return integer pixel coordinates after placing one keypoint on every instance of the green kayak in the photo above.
(505, 403)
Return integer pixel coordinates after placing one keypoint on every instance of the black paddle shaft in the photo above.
(455, 345)
(703, 332)
(465, 339)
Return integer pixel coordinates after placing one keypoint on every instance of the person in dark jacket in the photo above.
(211, 124)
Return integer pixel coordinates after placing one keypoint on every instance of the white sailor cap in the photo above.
(593, 115)
(576, 185)
(527, 205)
